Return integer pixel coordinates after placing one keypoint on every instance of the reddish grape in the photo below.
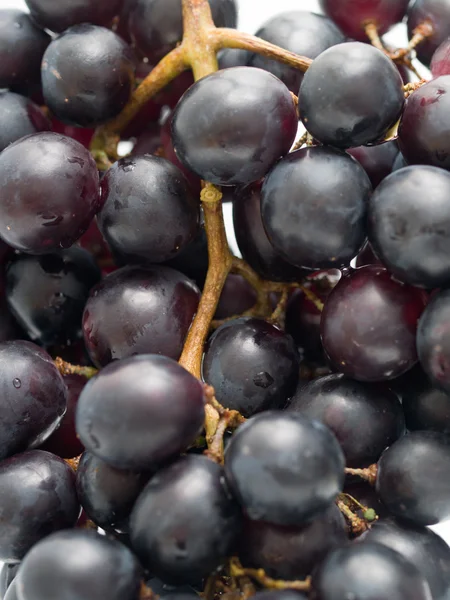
(367, 257)
(19, 116)
(440, 63)
(437, 14)
(376, 160)
(237, 297)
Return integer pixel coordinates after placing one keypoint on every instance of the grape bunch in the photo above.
(180, 422)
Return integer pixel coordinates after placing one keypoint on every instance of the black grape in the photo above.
(252, 239)
(54, 183)
(232, 57)
(47, 294)
(7, 576)
(413, 479)
(226, 142)
(80, 565)
(193, 260)
(87, 75)
(37, 497)
(313, 207)
(148, 141)
(420, 546)
(291, 552)
(140, 411)
(12, 592)
(378, 161)
(185, 522)
(149, 212)
(369, 324)
(366, 419)
(171, 592)
(284, 468)
(237, 297)
(19, 116)
(399, 163)
(156, 26)
(60, 15)
(139, 311)
(368, 571)
(351, 95)
(252, 365)
(301, 32)
(22, 46)
(107, 494)
(437, 14)
(33, 396)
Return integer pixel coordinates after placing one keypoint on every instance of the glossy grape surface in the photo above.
(351, 95)
(227, 142)
(440, 63)
(237, 297)
(19, 116)
(193, 260)
(313, 207)
(139, 311)
(49, 192)
(7, 575)
(377, 161)
(437, 13)
(59, 16)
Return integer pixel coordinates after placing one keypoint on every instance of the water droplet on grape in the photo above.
(17, 383)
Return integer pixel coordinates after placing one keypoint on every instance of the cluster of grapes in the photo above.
(277, 425)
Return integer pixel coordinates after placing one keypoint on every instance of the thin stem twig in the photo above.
(368, 474)
(66, 368)
(357, 525)
(259, 575)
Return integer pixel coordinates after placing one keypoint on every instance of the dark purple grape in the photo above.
(193, 260)
(301, 32)
(253, 242)
(140, 411)
(149, 212)
(368, 571)
(232, 57)
(422, 133)
(49, 192)
(291, 553)
(185, 522)
(284, 468)
(440, 63)
(237, 297)
(156, 26)
(139, 311)
(87, 75)
(437, 14)
(252, 365)
(366, 419)
(351, 95)
(369, 324)
(47, 293)
(399, 163)
(22, 46)
(107, 494)
(413, 479)
(59, 16)
(353, 15)
(37, 497)
(64, 441)
(7, 576)
(9, 328)
(420, 546)
(313, 207)
(377, 161)
(226, 142)
(80, 565)
(33, 397)
(19, 116)
(148, 142)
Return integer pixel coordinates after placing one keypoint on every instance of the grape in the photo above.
(7, 575)
(64, 441)
(79, 565)
(47, 293)
(237, 297)
(139, 311)
(291, 553)
(365, 419)
(399, 163)
(440, 63)
(419, 546)
(156, 26)
(227, 142)
(185, 522)
(87, 75)
(232, 57)
(140, 411)
(368, 571)
(413, 478)
(376, 160)
(33, 399)
(193, 260)
(54, 183)
(149, 212)
(367, 257)
(107, 494)
(436, 13)
(301, 32)
(252, 365)
(19, 116)
(84, 136)
(351, 95)
(37, 497)
(12, 592)
(60, 15)
(148, 142)
(353, 15)
(313, 207)
(422, 135)
(22, 46)
(369, 324)
(284, 468)
(252, 239)
(121, 28)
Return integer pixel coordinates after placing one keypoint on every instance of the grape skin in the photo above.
(437, 12)
(440, 63)
(59, 16)
(19, 116)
